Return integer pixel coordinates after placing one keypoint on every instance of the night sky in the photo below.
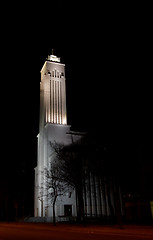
(107, 52)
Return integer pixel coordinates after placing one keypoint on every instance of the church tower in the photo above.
(53, 128)
(53, 94)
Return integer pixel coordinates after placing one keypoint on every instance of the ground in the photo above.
(28, 231)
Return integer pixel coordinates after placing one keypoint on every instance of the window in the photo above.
(67, 210)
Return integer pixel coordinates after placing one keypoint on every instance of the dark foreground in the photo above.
(38, 231)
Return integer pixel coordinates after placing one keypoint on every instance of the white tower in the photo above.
(53, 94)
(52, 128)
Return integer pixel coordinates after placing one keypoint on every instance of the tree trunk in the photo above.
(54, 217)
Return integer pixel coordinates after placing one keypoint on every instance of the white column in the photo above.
(51, 100)
(64, 118)
(57, 101)
(54, 111)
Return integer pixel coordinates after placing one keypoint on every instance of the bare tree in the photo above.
(71, 160)
(53, 185)
(71, 168)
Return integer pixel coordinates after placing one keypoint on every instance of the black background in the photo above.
(107, 50)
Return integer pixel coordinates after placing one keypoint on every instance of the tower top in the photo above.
(53, 58)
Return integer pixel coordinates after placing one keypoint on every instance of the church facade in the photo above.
(53, 128)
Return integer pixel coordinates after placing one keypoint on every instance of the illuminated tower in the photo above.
(53, 94)
(52, 128)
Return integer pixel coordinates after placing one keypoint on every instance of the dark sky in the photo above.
(107, 52)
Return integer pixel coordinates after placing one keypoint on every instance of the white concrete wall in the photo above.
(52, 133)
